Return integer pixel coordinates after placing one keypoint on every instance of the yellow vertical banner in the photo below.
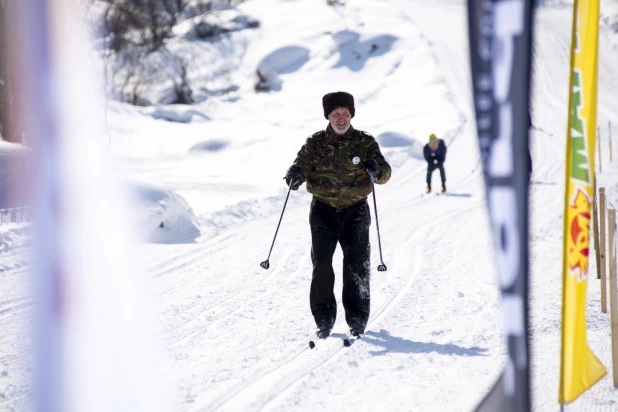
(579, 368)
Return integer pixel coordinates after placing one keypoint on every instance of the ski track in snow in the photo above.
(271, 375)
(258, 393)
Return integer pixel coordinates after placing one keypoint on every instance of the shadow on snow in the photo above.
(393, 344)
(451, 194)
(355, 53)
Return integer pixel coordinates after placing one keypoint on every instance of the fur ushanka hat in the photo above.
(332, 101)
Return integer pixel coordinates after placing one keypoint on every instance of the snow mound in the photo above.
(412, 147)
(209, 146)
(165, 217)
(394, 139)
(179, 114)
(355, 52)
(13, 236)
(249, 210)
(285, 60)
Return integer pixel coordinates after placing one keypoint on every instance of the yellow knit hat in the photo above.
(433, 138)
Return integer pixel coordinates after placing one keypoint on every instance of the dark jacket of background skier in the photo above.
(329, 167)
(439, 154)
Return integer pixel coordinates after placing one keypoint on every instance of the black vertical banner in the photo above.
(500, 54)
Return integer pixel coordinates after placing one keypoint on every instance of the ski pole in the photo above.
(265, 264)
(382, 267)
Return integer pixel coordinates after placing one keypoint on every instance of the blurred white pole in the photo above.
(95, 338)
(28, 59)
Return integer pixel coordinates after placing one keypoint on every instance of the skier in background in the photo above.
(336, 163)
(435, 155)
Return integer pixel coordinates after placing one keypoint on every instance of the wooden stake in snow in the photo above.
(595, 227)
(613, 292)
(602, 247)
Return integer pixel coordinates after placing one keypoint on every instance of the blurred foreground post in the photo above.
(95, 348)
(500, 34)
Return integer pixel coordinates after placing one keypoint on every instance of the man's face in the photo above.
(340, 120)
(433, 146)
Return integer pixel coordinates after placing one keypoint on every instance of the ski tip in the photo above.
(311, 344)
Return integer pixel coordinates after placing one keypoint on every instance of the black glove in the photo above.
(293, 175)
(373, 167)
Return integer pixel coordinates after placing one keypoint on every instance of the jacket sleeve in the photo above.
(443, 151)
(304, 159)
(375, 153)
(426, 153)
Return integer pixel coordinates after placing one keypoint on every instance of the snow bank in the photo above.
(165, 217)
(176, 113)
(13, 236)
(284, 60)
(406, 143)
(249, 210)
(209, 146)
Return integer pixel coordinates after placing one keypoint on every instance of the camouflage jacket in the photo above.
(333, 167)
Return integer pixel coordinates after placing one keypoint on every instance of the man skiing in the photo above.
(435, 155)
(336, 163)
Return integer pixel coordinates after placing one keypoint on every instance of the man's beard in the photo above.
(338, 130)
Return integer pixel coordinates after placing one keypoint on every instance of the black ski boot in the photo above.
(324, 329)
(356, 329)
(323, 333)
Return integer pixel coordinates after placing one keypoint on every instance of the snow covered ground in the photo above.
(211, 191)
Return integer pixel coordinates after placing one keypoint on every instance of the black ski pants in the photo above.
(431, 167)
(350, 228)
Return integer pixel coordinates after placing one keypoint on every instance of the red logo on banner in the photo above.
(579, 235)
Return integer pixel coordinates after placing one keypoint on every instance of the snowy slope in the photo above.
(236, 335)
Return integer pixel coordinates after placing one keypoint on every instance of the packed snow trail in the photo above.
(235, 335)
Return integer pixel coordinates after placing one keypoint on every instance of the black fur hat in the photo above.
(332, 101)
